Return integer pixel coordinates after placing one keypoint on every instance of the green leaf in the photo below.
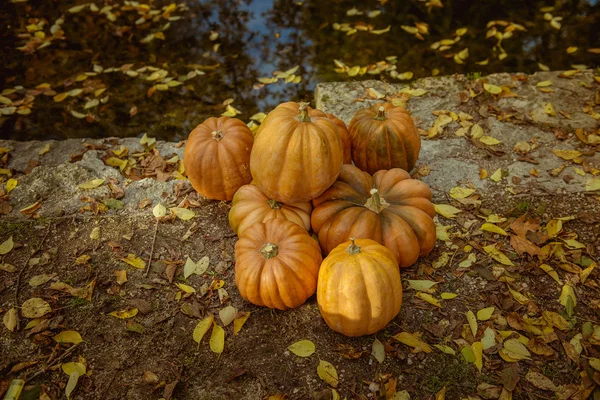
(303, 348)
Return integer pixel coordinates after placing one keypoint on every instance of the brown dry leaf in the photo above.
(522, 246)
(10, 319)
(121, 275)
(537, 346)
(540, 381)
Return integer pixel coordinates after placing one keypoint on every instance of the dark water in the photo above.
(225, 46)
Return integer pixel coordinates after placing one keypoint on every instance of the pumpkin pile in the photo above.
(305, 171)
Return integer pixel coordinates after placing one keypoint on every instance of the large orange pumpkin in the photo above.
(384, 137)
(359, 289)
(389, 207)
(277, 264)
(296, 155)
(217, 157)
(251, 205)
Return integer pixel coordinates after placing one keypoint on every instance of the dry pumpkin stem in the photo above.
(274, 204)
(269, 250)
(376, 203)
(381, 114)
(353, 248)
(217, 135)
(304, 117)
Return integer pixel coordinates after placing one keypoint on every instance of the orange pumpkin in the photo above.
(389, 207)
(343, 130)
(217, 157)
(277, 264)
(384, 137)
(296, 155)
(251, 205)
(359, 289)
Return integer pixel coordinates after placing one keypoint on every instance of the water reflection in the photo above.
(234, 43)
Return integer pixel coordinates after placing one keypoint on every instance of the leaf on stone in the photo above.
(428, 298)
(68, 337)
(540, 381)
(411, 340)
(124, 314)
(183, 213)
(485, 313)
(567, 154)
(493, 228)
(497, 175)
(378, 351)
(197, 268)
(497, 255)
(10, 319)
(35, 308)
(302, 348)
(202, 327)
(489, 140)
(134, 261)
(239, 321)
(549, 109)
(6, 246)
(94, 183)
(327, 373)
(217, 339)
(446, 210)
(227, 315)
(159, 210)
(458, 192)
(592, 184)
(544, 83)
(493, 89)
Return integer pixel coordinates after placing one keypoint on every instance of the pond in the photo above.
(73, 69)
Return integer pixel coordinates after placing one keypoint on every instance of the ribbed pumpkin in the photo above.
(343, 130)
(251, 205)
(217, 157)
(389, 207)
(296, 156)
(277, 264)
(384, 137)
(359, 290)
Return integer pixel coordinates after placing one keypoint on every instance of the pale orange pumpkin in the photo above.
(217, 157)
(251, 205)
(277, 264)
(296, 154)
(384, 137)
(389, 207)
(359, 289)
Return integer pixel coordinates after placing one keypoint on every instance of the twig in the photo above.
(27, 263)
(151, 249)
(47, 367)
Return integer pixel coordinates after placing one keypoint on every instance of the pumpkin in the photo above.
(277, 264)
(296, 155)
(359, 289)
(251, 205)
(343, 130)
(389, 207)
(384, 137)
(217, 157)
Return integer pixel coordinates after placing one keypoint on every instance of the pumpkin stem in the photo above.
(217, 135)
(381, 115)
(274, 204)
(269, 250)
(303, 116)
(353, 248)
(376, 203)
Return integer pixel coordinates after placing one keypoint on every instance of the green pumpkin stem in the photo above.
(381, 114)
(353, 248)
(274, 204)
(375, 203)
(217, 135)
(269, 250)
(303, 116)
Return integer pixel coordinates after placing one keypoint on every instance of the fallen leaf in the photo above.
(411, 340)
(445, 349)
(239, 321)
(567, 154)
(516, 350)
(428, 298)
(302, 348)
(592, 184)
(472, 322)
(485, 313)
(477, 348)
(549, 109)
(183, 213)
(493, 89)
(461, 192)
(493, 228)
(327, 373)
(68, 337)
(488, 340)
(202, 327)
(441, 395)
(446, 210)
(39, 280)
(121, 275)
(497, 255)
(217, 339)
(35, 308)
(448, 296)
(518, 296)
(227, 315)
(94, 183)
(555, 320)
(10, 319)
(6, 246)
(198, 268)
(186, 288)
(497, 175)
(124, 314)
(134, 261)
(421, 284)
(540, 381)
(550, 271)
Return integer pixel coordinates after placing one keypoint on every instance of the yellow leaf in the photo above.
(556, 320)
(159, 211)
(197, 268)
(518, 296)
(421, 284)
(116, 162)
(60, 97)
(489, 339)
(549, 109)
(543, 67)
(567, 154)
(554, 227)
(380, 31)
(485, 313)
(35, 307)
(497, 255)
(124, 314)
(68, 337)
(10, 319)
(303, 348)
(411, 340)
(483, 173)
(472, 322)
(70, 367)
(259, 117)
(550, 271)
(134, 261)
(461, 192)
(592, 184)
(493, 89)
(497, 175)
(428, 298)
(45, 149)
(566, 293)
(217, 339)
(202, 327)
(583, 275)
(121, 276)
(594, 363)
(490, 141)
(448, 296)
(445, 349)
(186, 288)
(183, 213)
(477, 348)
(446, 210)
(516, 350)
(11, 184)
(544, 83)
(327, 373)
(94, 183)
(572, 49)
(6, 246)
(493, 228)
(240, 321)
(441, 395)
